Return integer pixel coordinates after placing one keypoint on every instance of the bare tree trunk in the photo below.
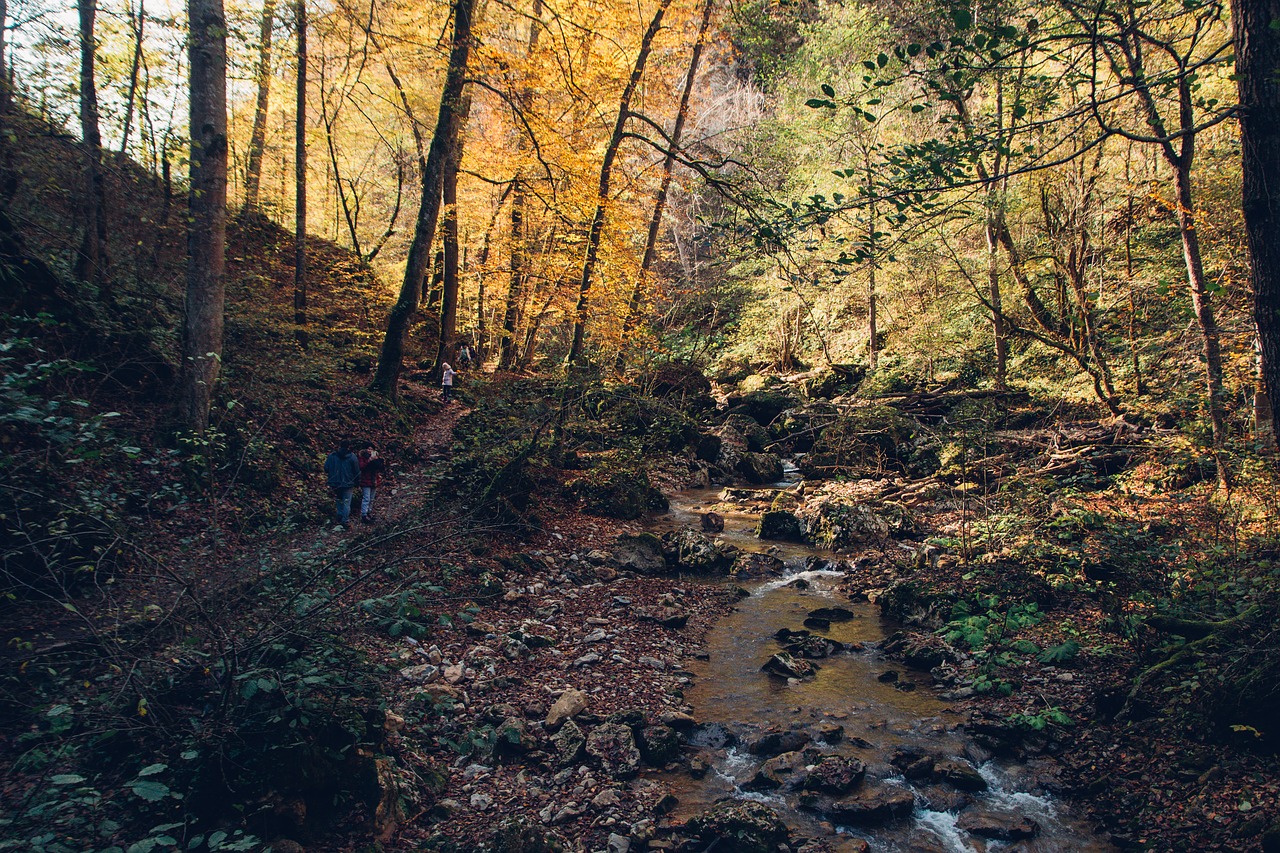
(449, 237)
(134, 69)
(638, 295)
(4, 66)
(206, 231)
(515, 295)
(997, 311)
(300, 177)
(482, 263)
(258, 138)
(390, 362)
(602, 192)
(1257, 42)
(91, 265)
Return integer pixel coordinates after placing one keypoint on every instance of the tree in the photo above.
(300, 176)
(638, 294)
(390, 360)
(1257, 44)
(258, 138)
(207, 222)
(91, 264)
(135, 66)
(606, 175)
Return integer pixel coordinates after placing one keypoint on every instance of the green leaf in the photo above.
(963, 18)
(153, 769)
(828, 90)
(882, 60)
(67, 779)
(152, 792)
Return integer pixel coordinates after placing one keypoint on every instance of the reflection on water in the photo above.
(881, 708)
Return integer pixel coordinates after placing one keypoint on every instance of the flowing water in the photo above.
(855, 690)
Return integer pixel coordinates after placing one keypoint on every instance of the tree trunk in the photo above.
(602, 192)
(206, 231)
(258, 138)
(515, 292)
(134, 68)
(638, 295)
(91, 265)
(300, 178)
(449, 238)
(1257, 42)
(390, 361)
(997, 311)
(4, 66)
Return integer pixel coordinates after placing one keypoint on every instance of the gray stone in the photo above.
(613, 746)
(570, 702)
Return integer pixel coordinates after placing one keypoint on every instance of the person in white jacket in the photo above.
(446, 381)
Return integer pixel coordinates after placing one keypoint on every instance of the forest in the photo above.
(782, 425)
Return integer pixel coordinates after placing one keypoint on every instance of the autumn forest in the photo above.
(571, 425)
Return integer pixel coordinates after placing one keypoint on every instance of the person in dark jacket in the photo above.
(343, 470)
(372, 467)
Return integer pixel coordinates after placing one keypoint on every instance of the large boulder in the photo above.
(998, 826)
(836, 522)
(836, 774)
(642, 553)
(872, 807)
(659, 745)
(785, 665)
(683, 381)
(764, 404)
(756, 436)
(613, 746)
(759, 468)
(865, 441)
(616, 487)
(777, 741)
(694, 552)
(753, 565)
(780, 525)
(786, 771)
(918, 650)
(838, 379)
(797, 429)
(740, 826)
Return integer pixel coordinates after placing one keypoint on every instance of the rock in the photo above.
(998, 826)
(568, 744)
(481, 802)
(873, 807)
(606, 799)
(287, 845)
(587, 660)
(714, 736)
(889, 676)
(707, 446)
(913, 763)
(749, 827)
(618, 843)
(814, 648)
(784, 665)
(569, 703)
(712, 522)
(640, 553)
(832, 614)
(786, 635)
(830, 733)
(423, 673)
(959, 774)
(678, 720)
(778, 742)
(695, 552)
(785, 771)
(760, 468)
(817, 624)
(762, 404)
(614, 747)
(836, 775)
(659, 745)
(389, 813)
(919, 650)
(607, 574)
(750, 565)
(667, 617)
(698, 766)
(513, 738)
(455, 673)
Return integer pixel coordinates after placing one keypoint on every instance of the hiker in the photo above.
(464, 356)
(343, 470)
(446, 382)
(372, 467)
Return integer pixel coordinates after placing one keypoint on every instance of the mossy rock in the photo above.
(866, 440)
(756, 436)
(615, 488)
(764, 405)
(740, 826)
(839, 379)
(779, 524)
(797, 429)
(760, 468)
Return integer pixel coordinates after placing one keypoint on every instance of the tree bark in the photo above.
(300, 178)
(134, 69)
(638, 295)
(390, 361)
(91, 265)
(258, 137)
(449, 235)
(4, 66)
(206, 231)
(602, 192)
(1257, 43)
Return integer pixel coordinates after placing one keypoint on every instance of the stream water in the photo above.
(883, 710)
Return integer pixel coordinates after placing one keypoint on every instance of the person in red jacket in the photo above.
(372, 468)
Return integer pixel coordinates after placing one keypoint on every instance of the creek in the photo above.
(884, 712)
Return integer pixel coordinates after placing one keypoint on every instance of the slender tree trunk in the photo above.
(258, 137)
(602, 192)
(91, 265)
(1212, 350)
(449, 239)
(639, 294)
(134, 70)
(1257, 42)
(482, 264)
(390, 362)
(515, 292)
(873, 349)
(997, 310)
(300, 177)
(206, 231)
(4, 65)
